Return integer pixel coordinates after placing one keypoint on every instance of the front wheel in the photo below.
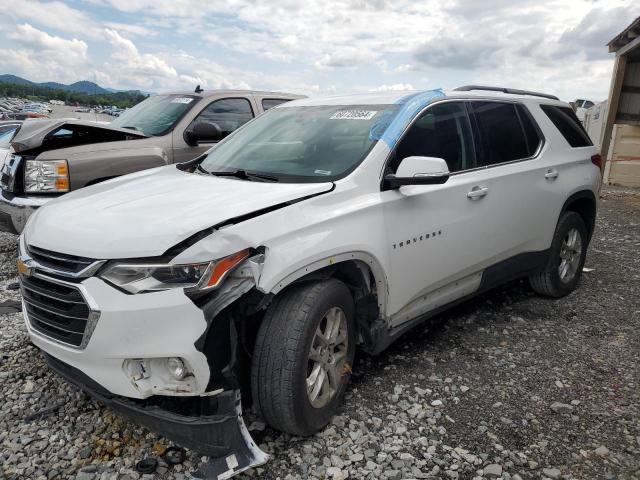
(566, 259)
(303, 356)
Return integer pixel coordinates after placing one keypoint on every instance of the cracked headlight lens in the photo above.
(46, 176)
(141, 277)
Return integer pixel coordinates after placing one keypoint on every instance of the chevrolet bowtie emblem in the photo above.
(24, 269)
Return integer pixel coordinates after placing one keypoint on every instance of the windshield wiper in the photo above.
(132, 128)
(244, 175)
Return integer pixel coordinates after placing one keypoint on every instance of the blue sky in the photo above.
(316, 47)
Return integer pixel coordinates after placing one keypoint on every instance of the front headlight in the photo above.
(141, 277)
(46, 176)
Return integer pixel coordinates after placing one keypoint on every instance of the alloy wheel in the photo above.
(327, 357)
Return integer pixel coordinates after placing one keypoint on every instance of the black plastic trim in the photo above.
(518, 266)
(513, 91)
(216, 433)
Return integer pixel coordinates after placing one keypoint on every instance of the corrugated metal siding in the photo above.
(629, 106)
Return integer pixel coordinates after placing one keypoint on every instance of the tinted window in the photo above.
(443, 132)
(530, 131)
(268, 103)
(228, 113)
(568, 124)
(503, 139)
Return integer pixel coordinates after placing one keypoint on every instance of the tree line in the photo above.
(38, 93)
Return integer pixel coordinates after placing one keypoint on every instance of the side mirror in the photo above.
(203, 132)
(418, 171)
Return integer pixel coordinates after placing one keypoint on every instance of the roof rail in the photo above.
(514, 91)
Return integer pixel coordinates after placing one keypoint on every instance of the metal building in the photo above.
(620, 141)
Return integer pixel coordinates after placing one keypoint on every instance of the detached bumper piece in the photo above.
(16, 210)
(219, 433)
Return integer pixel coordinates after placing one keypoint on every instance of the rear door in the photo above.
(520, 180)
(228, 113)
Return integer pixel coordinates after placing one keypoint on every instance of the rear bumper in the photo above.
(15, 210)
(218, 431)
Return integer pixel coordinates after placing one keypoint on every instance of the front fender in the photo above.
(275, 281)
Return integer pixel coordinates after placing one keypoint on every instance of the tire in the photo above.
(549, 282)
(281, 363)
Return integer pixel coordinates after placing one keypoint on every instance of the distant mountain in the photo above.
(83, 86)
(7, 78)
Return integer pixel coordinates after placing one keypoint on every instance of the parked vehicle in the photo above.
(7, 131)
(580, 107)
(55, 157)
(250, 274)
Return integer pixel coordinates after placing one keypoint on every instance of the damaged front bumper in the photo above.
(217, 431)
(16, 210)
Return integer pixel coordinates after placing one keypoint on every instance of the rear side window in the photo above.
(531, 134)
(568, 124)
(228, 113)
(502, 136)
(268, 103)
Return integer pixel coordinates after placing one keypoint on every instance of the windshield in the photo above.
(156, 115)
(6, 135)
(300, 144)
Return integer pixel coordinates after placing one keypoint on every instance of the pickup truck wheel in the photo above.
(568, 252)
(303, 355)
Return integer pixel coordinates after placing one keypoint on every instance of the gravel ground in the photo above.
(508, 385)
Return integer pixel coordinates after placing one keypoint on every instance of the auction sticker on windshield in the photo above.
(182, 100)
(353, 115)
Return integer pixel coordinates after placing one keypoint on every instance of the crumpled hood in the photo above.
(33, 133)
(146, 213)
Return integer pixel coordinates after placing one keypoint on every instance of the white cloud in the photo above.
(133, 67)
(68, 52)
(43, 57)
(56, 15)
(131, 29)
(318, 46)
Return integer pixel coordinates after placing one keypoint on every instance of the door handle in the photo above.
(551, 174)
(477, 192)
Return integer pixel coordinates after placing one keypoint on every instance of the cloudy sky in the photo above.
(316, 47)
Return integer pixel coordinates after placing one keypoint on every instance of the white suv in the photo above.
(250, 275)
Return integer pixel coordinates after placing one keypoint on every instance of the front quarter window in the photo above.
(156, 115)
(300, 144)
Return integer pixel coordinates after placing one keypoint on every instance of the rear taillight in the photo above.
(597, 160)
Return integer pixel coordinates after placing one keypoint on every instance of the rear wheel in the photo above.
(303, 356)
(566, 259)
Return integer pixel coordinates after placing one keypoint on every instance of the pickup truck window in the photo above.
(156, 115)
(6, 136)
(268, 103)
(300, 144)
(229, 113)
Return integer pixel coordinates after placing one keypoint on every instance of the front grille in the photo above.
(59, 261)
(56, 310)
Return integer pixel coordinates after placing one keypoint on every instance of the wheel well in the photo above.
(238, 324)
(584, 204)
